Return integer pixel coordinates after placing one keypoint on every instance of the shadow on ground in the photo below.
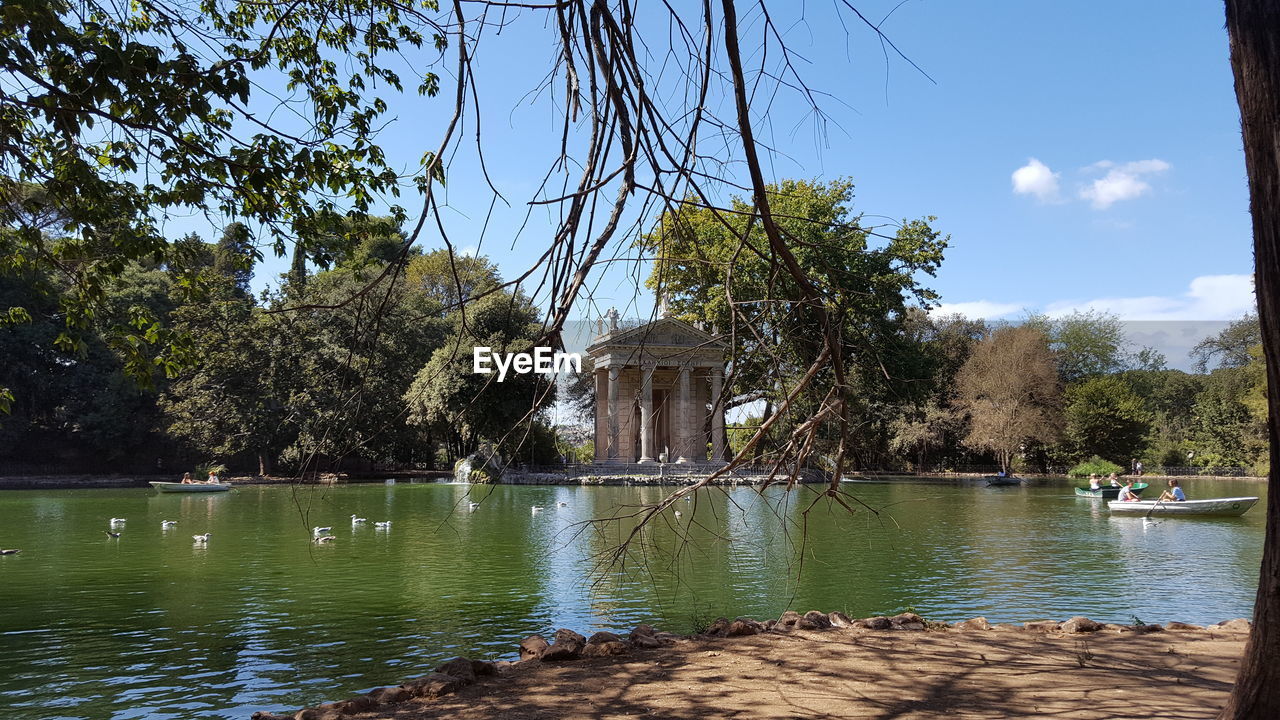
(859, 674)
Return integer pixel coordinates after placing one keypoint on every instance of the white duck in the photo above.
(326, 538)
(118, 521)
(357, 520)
(535, 508)
(168, 523)
(386, 525)
(318, 531)
(202, 539)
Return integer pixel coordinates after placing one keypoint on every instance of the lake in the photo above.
(152, 625)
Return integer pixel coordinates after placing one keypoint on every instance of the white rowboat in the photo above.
(175, 487)
(1220, 507)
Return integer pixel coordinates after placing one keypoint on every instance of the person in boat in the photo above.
(187, 479)
(1001, 474)
(1093, 482)
(1115, 481)
(1126, 493)
(1174, 493)
(213, 478)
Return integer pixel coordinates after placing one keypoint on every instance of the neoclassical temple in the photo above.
(658, 393)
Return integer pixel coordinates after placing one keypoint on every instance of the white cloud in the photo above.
(1035, 178)
(977, 309)
(1209, 297)
(1122, 182)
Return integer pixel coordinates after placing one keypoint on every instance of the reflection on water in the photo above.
(155, 625)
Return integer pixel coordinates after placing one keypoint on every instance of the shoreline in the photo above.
(105, 482)
(826, 664)
(85, 481)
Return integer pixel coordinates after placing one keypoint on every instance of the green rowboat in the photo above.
(1110, 493)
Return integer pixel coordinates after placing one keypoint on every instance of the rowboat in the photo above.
(177, 487)
(1002, 481)
(1219, 507)
(1110, 493)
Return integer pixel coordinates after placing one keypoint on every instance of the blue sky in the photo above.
(1080, 155)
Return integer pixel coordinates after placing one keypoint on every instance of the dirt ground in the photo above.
(855, 673)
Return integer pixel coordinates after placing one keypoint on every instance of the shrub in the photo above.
(1094, 465)
(217, 468)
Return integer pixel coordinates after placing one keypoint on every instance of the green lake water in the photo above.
(152, 625)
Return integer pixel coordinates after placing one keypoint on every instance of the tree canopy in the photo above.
(718, 269)
(1010, 392)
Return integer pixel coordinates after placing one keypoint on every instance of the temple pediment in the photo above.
(661, 333)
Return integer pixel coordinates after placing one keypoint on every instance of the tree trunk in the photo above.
(1254, 30)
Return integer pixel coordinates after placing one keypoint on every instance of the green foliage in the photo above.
(1231, 347)
(73, 398)
(1105, 417)
(1094, 466)
(704, 258)
(449, 278)
(202, 470)
(448, 397)
(581, 453)
(115, 115)
(227, 403)
(1086, 344)
(235, 255)
(531, 442)
(1225, 430)
(357, 241)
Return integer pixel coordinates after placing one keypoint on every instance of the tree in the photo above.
(1086, 343)
(73, 400)
(924, 430)
(934, 428)
(1009, 390)
(449, 398)
(719, 270)
(452, 279)
(1230, 348)
(349, 362)
(1225, 432)
(228, 403)
(1105, 417)
(1254, 29)
(235, 256)
(1170, 397)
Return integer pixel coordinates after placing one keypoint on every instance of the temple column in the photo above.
(600, 436)
(682, 417)
(613, 413)
(717, 415)
(646, 413)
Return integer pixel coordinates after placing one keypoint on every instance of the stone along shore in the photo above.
(827, 663)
